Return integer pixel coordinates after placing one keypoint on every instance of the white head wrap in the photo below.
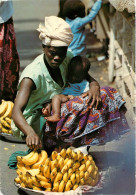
(56, 32)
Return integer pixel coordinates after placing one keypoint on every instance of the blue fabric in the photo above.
(78, 45)
(76, 89)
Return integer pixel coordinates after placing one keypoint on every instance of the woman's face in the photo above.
(55, 55)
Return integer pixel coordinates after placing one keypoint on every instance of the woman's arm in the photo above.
(94, 92)
(26, 87)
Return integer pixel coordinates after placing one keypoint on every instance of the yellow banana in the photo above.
(35, 182)
(3, 107)
(17, 180)
(82, 167)
(5, 124)
(46, 171)
(4, 130)
(94, 175)
(8, 112)
(75, 186)
(86, 175)
(64, 169)
(23, 185)
(8, 120)
(87, 164)
(82, 162)
(65, 177)
(58, 157)
(70, 171)
(61, 163)
(85, 157)
(47, 162)
(77, 178)
(76, 165)
(90, 169)
(54, 164)
(42, 160)
(33, 172)
(10, 132)
(81, 174)
(89, 181)
(28, 155)
(36, 188)
(68, 186)
(69, 163)
(19, 159)
(74, 155)
(54, 155)
(45, 184)
(79, 155)
(29, 182)
(61, 186)
(41, 178)
(20, 165)
(63, 153)
(66, 160)
(31, 160)
(69, 152)
(73, 178)
(58, 177)
(48, 190)
(55, 187)
(53, 174)
(82, 181)
(90, 157)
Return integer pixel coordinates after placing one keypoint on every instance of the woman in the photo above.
(9, 59)
(44, 78)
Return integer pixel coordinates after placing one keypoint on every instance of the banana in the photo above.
(41, 178)
(86, 175)
(42, 160)
(61, 163)
(23, 185)
(69, 152)
(81, 174)
(20, 165)
(79, 155)
(55, 187)
(83, 162)
(82, 167)
(4, 130)
(73, 178)
(64, 169)
(46, 171)
(58, 177)
(65, 177)
(85, 157)
(58, 157)
(17, 180)
(54, 164)
(63, 153)
(77, 178)
(29, 182)
(19, 159)
(68, 186)
(3, 107)
(90, 157)
(82, 181)
(48, 190)
(33, 172)
(69, 163)
(36, 188)
(35, 182)
(10, 132)
(89, 181)
(75, 186)
(87, 164)
(54, 155)
(31, 160)
(5, 124)
(61, 186)
(29, 155)
(8, 120)
(66, 160)
(45, 184)
(47, 162)
(74, 155)
(70, 171)
(90, 169)
(53, 174)
(76, 165)
(94, 175)
(8, 112)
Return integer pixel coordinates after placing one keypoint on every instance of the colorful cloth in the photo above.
(9, 61)
(81, 125)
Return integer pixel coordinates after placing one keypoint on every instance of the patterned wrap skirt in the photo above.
(9, 61)
(81, 125)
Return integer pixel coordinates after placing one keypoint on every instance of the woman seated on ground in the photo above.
(46, 77)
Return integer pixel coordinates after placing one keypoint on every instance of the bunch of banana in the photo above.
(60, 172)
(5, 116)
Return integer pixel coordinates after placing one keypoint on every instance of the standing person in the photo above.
(77, 85)
(9, 59)
(44, 78)
(74, 12)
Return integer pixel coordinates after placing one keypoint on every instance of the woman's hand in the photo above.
(33, 141)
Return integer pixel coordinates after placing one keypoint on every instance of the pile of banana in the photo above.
(5, 116)
(61, 172)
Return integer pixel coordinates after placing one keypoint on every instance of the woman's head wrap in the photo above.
(56, 32)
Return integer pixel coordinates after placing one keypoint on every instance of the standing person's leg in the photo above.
(9, 61)
(56, 107)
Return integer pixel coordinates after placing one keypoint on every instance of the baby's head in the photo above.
(78, 69)
(73, 9)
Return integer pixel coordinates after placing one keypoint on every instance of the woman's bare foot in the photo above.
(53, 118)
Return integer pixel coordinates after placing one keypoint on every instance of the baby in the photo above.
(77, 74)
